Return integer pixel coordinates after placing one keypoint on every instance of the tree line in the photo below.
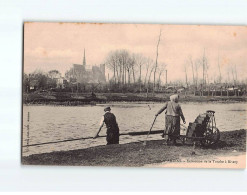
(40, 80)
(199, 68)
(133, 70)
(128, 70)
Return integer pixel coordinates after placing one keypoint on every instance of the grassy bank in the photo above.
(136, 154)
(69, 99)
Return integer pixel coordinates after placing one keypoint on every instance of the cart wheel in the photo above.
(212, 136)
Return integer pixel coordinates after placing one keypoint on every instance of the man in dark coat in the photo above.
(112, 133)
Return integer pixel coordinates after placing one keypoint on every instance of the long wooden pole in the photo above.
(145, 142)
(84, 138)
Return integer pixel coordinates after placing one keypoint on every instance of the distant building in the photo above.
(79, 73)
(60, 82)
(33, 85)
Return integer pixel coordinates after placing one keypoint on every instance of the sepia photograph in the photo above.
(134, 95)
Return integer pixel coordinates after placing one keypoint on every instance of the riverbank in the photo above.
(136, 154)
(69, 99)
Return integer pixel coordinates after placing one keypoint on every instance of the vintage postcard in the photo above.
(135, 95)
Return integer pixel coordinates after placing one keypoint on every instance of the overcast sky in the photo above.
(49, 46)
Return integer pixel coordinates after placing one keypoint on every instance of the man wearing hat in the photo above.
(112, 133)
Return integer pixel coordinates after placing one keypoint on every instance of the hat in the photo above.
(107, 108)
(174, 98)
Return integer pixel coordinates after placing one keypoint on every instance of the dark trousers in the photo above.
(112, 136)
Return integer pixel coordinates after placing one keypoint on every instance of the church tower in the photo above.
(84, 58)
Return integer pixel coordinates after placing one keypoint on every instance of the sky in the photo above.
(49, 46)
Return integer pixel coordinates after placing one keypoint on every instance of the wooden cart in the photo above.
(203, 129)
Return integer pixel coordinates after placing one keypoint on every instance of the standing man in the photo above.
(112, 133)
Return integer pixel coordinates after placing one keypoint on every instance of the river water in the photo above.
(53, 123)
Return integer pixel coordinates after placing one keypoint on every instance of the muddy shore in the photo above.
(136, 154)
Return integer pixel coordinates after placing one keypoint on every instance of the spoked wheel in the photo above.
(212, 136)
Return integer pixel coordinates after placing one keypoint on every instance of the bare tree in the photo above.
(233, 75)
(236, 74)
(119, 61)
(148, 63)
(203, 68)
(133, 67)
(53, 74)
(202, 62)
(140, 61)
(156, 61)
(207, 81)
(228, 76)
(219, 68)
(111, 63)
(186, 76)
(197, 66)
(129, 64)
(161, 70)
(192, 68)
(151, 71)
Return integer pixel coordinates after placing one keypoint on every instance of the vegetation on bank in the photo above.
(73, 99)
(136, 154)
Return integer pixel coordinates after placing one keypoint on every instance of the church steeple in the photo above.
(84, 58)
